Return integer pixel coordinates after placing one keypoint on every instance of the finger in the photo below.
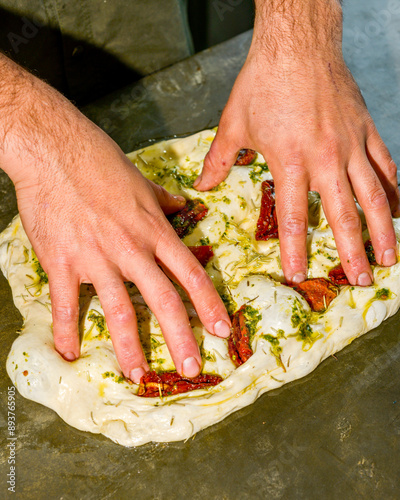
(373, 200)
(64, 293)
(342, 215)
(169, 203)
(291, 187)
(186, 270)
(165, 302)
(385, 168)
(121, 322)
(218, 161)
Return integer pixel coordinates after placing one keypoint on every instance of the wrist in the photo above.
(36, 124)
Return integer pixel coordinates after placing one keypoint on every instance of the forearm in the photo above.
(287, 28)
(37, 124)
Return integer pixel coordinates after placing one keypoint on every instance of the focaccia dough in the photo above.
(92, 395)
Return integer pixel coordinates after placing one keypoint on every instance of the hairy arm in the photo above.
(93, 218)
(296, 102)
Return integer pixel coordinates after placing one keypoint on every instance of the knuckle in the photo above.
(377, 198)
(169, 302)
(125, 242)
(294, 161)
(65, 314)
(391, 168)
(349, 221)
(122, 314)
(196, 278)
(331, 149)
(293, 225)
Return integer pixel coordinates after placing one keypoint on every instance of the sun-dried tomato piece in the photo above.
(267, 224)
(203, 253)
(245, 157)
(318, 292)
(186, 219)
(338, 276)
(154, 384)
(369, 250)
(239, 341)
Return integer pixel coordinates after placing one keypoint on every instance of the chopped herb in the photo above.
(227, 299)
(155, 343)
(183, 180)
(301, 320)
(243, 203)
(276, 349)
(382, 294)
(119, 379)
(39, 269)
(253, 317)
(271, 339)
(205, 241)
(99, 323)
(220, 186)
(257, 171)
(207, 355)
(40, 279)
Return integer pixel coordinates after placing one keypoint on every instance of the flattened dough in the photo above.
(91, 394)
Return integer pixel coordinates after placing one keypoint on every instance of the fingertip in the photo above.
(136, 374)
(190, 367)
(173, 204)
(364, 279)
(180, 200)
(68, 352)
(389, 257)
(222, 329)
(217, 163)
(197, 182)
(297, 278)
(69, 356)
(66, 342)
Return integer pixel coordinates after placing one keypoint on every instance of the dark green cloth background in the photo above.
(86, 48)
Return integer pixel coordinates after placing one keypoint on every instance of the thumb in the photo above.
(219, 160)
(169, 203)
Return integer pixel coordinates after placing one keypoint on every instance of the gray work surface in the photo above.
(333, 434)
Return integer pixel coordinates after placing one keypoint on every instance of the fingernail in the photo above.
(389, 257)
(136, 374)
(180, 199)
(197, 181)
(190, 367)
(69, 356)
(298, 278)
(364, 279)
(222, 329)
